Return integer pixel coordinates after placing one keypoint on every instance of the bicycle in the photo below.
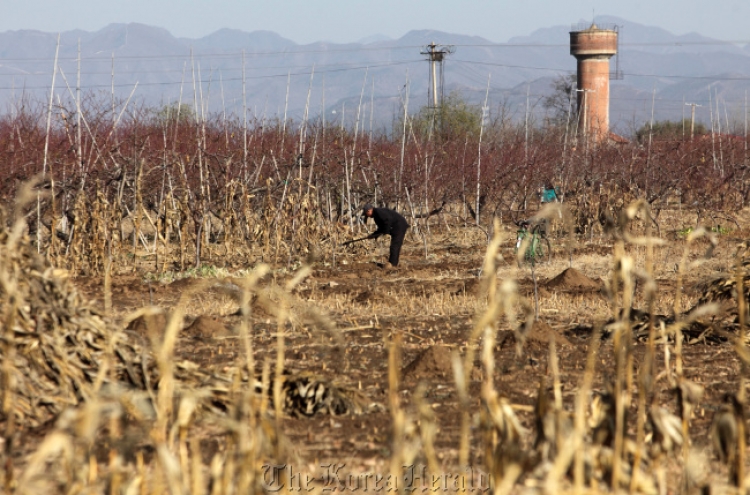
(538, 248)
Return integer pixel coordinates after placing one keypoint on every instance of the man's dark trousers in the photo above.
(397, 239)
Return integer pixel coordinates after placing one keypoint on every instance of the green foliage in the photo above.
(455, 116)
(172, 112)
(669, 130)
(717, 229)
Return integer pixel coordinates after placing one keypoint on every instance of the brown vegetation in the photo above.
(278, 191)
(176, 302)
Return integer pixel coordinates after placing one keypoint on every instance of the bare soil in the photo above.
(432, 302)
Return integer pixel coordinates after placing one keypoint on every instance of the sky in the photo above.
(341, 21)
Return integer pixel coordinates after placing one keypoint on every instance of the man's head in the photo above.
(367, 210)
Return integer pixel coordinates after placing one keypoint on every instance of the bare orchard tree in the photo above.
(561, 103)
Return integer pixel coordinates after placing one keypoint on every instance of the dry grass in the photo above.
(119, 414)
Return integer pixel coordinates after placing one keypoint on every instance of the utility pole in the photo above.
(583, 108)
(692, 117)
(436, 55)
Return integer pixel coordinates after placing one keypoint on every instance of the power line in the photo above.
(468, 67)
(323, 67)
(631, 74)
(646, 43)
(466, 64)
(386, 47)
(306, 73)
(200, 55)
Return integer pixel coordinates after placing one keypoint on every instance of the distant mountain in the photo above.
(661, 71)
(373, 39)
(234, 41)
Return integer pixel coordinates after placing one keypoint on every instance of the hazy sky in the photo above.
(306, 21)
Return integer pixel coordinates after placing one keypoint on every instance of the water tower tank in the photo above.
(593, 47)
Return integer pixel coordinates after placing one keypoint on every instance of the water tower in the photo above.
(593, 47)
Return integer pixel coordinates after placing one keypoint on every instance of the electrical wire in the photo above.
(300, 50)
(468, 67)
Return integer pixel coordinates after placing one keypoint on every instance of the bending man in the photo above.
(390, 223)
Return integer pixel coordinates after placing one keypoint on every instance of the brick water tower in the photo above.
(593, 47)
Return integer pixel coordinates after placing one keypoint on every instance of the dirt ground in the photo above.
(431, 301)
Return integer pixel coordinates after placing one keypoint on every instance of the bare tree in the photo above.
(561, 103)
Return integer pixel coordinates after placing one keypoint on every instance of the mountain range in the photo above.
(373, 79)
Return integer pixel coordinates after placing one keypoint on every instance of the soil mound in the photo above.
(149, 324)
(572, 279)
(541, 333)
(433, 361)
(207, 328)
(538, 337)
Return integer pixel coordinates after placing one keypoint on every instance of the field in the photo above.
(444, 354)
(179, 314)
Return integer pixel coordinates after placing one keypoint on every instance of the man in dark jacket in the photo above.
(390, 223)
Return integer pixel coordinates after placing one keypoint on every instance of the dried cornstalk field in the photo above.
(183, 317)
(467, 365)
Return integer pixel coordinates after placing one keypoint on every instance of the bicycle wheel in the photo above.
(533, 251)
(545, 249)
(520, 236)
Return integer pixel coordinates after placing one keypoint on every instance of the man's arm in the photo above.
(375, 234)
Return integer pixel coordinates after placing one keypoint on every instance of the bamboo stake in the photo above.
(479, 150)
(372, 114)
(312, 162)
(244, 115)
(718, 133)
(46, 153)
(224, 111)
(348, 191)
(286, 108)
(403, 141)
(303, 127)
(79, 152)
(112, 89)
